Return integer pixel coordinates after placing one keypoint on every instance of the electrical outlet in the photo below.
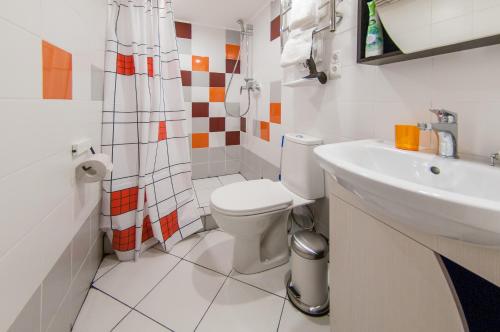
(335, 70)
(335, 57)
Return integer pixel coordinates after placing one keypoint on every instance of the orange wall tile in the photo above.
(232, 51)
(57, 72)
(275, 113)
(217, 94)
(200, 63)
(264, 131)
(200, 140)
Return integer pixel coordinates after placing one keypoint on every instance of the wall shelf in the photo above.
(393, 54)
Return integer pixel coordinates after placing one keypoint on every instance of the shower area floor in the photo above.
(204, 187)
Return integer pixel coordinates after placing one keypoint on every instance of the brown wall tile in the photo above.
(217, 80)
(217, 124)
(233, 138)
(230, 66)
(200, 110)
(186, 78)
(275, 28)
(183, 30)
(243, 124)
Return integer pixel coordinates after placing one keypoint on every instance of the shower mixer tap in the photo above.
(250, 85)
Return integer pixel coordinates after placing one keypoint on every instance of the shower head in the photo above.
(242, 25)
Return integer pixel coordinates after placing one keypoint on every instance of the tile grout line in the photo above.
(111, 269)
(121, 320)
(211, 302)
(129, 307)
(249, 284)
(281, 315)
(149, 292)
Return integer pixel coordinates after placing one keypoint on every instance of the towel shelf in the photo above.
(332, 24)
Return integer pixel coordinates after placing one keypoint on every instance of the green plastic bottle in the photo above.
(374, 36)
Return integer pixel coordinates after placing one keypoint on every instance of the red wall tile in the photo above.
(217, 124)
(233, 138)
(200, 110)
(217, 80)
(275, 28)
(183, 30)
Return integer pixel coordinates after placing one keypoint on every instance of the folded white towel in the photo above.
(304, 14)
(297, 48)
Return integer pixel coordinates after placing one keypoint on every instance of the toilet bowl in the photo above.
(256, 212)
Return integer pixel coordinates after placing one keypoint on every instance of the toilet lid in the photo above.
(250, 197)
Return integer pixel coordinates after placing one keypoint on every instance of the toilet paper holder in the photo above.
(86, 169)
(81, 147)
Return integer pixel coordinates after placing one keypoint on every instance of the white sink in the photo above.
(461, 202)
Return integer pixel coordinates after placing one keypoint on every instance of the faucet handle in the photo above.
(494, 157)
(445, 116)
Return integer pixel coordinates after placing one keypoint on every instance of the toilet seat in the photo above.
(251, 198)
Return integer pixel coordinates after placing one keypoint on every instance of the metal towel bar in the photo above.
(332, 25)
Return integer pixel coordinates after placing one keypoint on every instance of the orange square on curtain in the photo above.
(232, 51)
(200, 140)
(217, 95)
(57, 72)
(275, 113)
(200, 63)
(264, 131)
(162, 130)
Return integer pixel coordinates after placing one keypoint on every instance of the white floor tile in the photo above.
(181, 299)
(272, 280)
(99, 313)
(240, 307)
(228, 179)
(204, 196)
(184, 246)
(147, 271)
(293, 320)
(206, 183)
(107, 264)
(136, 322)
(215, 252)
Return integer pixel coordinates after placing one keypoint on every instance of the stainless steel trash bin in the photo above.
(307, 283)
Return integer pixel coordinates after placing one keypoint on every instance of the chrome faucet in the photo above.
(494, 157)
(447, 132)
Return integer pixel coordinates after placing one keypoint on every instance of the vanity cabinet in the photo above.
(385, 276)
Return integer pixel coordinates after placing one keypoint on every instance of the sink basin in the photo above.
(449, 197)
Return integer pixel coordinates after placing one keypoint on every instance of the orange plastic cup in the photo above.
(407, 137)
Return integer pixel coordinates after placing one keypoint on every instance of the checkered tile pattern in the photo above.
(262, 128)
(206, 83)
(149, 196)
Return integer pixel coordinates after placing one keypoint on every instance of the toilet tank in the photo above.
(300, 172)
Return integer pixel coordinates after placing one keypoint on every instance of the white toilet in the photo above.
(256, 212)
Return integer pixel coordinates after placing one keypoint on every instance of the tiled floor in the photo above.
(204, 187)
(192, 288)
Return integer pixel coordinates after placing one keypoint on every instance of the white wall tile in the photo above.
(38, 190)
(211, 42)
(25, 14)
(21, 64)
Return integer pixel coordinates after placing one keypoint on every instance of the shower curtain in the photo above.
(148, 198)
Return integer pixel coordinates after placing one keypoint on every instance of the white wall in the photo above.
(42, 205)
(367, 101)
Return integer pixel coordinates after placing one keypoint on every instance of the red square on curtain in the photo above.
(123, 201)
(125, 64)
(124, 240)
(162, 131)
(150, 67)
(147, 230)
(169, 225)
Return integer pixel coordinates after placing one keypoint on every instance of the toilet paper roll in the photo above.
(94, 168)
